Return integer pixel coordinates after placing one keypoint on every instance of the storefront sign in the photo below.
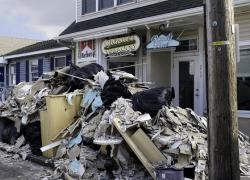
(121, 46)
(86, 49)
(162, 41)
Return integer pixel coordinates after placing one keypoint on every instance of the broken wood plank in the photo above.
(142, 146)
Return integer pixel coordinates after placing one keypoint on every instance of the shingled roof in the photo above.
(43, 45)
(133, 14)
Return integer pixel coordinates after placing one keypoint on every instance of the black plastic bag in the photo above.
(8, 131)
(151, 101)
(32, 134)
(86, 72)
(112, 90)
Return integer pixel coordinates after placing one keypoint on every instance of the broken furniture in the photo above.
(59, 115)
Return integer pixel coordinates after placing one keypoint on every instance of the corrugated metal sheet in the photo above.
(244, 23)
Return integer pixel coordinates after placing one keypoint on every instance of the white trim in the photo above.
(135, 23)
(2, 60)
(175, 80)
(10, 84)
(244, 43)
(30, 69)
(96, 8)
(102, 35)
(76, 11)
(36, 52)
(243, 114)
(240, 3)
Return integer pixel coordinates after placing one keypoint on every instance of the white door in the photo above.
(185, 79)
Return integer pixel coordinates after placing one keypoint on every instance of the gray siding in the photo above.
(244, 125)
(79, 9)
(244, 22)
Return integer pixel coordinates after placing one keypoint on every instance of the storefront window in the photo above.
(123, 1)
(243, 77)
(187, 45)
(34, 70)
(122, 66)
(86, 49)
(60, 62)
(12, 74)
(88, 6)
(103, 4)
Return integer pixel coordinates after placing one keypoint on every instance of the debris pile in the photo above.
(123, 130)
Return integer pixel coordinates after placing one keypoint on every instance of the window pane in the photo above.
(60, 62)
(243, 74)
(187, 45)
(12, 74)
(34, 70)
(130, 70)
(106, 4)
(123, 1)
(88, 6)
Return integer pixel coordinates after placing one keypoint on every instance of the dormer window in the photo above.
(88, 6)
(103, 4)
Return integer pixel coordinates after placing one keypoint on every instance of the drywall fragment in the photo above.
(76, 169)
(74, 152)
(19, 142)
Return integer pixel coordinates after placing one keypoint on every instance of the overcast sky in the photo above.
(35, 19)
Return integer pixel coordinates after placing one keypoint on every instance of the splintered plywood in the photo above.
(142, 146)
(59, 115)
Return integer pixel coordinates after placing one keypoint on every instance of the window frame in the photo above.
(124, 60)
(30, 69)
(119, 4)
(84, 12)
(98, 9)
(244, 113)
(99, 5)
(57, 57)
(188, 38)
(10, 82)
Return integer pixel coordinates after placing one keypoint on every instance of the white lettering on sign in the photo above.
(162, 41)
(121, 46)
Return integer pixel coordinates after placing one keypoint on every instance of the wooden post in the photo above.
(222, 123)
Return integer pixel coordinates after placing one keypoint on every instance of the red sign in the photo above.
(87, 49)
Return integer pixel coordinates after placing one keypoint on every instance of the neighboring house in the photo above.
(107, 31)
(29, 63)
(8, 44)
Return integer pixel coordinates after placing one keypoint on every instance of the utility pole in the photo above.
(222, 98)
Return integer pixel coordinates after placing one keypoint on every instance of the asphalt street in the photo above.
(12, 169)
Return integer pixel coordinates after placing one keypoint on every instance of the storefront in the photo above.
(158, 60)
